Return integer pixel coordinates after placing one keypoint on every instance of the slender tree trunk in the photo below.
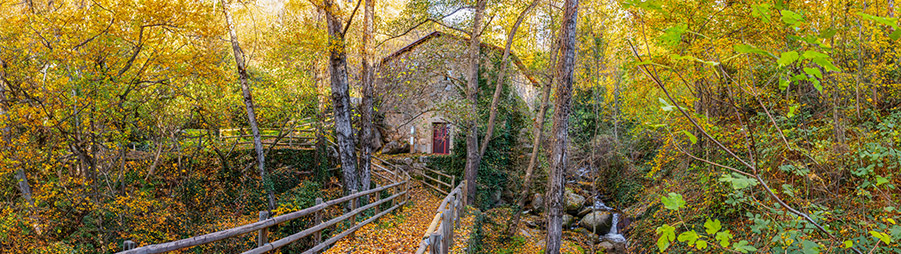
(6, 135)
(492, 115)
(472, 92)
(537, 136)
(248, 103)
(341, 99)
(366, 107)
(562, 108)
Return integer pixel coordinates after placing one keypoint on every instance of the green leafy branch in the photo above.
(712, 228)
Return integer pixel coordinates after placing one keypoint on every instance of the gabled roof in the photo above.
(436, 34)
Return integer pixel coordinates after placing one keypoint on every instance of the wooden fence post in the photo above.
(456, 207)
(128, 245)
(407, 188)
(262, 235)
(318, 220)
(453, 182)
(464, 194)
(378, 196)
(448, 227)
(353, 206)
(435, 243)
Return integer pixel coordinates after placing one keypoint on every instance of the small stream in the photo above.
(613, 235)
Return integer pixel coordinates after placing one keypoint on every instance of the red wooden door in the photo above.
(440, 139)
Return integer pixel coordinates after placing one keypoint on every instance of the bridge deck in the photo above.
(402, 232)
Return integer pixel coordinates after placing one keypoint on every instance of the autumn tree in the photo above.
(344, 133)
(473, 158)
(502, 73)
(368, 78)
(537, 135)
(248, 103)
(560, 131)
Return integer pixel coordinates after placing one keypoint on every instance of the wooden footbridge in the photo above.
(437, 239)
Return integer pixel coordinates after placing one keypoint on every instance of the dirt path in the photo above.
(400, 232)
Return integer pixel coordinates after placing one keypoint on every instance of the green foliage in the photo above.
(711, 227)
(790, 17)
(673, 201)
(739, 181)
(689, 237)
(666, 235)
(787, 58)
(746, 49)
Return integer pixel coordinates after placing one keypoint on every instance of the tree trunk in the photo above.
(366, 107)
(248, 103)
(562, 108)
(472, 89)
(341, 99)
(537, 131)
(492, 115)
(6, 135)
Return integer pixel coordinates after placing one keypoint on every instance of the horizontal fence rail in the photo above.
(399, 187)
(439, 236)
(434, 179)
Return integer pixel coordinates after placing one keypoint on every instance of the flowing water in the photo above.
(613, 235)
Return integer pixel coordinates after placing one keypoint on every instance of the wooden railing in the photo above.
(284, 138)
(439, 236)
(299, 135)
(399, 187)
(431, 178)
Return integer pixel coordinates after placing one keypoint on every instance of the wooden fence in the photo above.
(399, 189)
(282, 138)
(302, 135)
(439, 236)
(431, 178)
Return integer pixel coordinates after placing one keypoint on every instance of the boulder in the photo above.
(376, 140)
(568, 220)
(395, 147)
(538, 202)
(572, 201)
(584, 211)
(606, 246)
(613, 245)
(598, 222)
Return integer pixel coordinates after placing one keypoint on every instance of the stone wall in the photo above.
(424, 85)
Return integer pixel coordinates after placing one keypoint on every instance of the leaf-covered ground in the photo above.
(401, 232)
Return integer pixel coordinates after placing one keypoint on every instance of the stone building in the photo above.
(420, 90)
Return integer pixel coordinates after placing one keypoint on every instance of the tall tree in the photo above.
(366, 125)
(340, 94)
(248, 103)
(492, 115)
(6, 136)
(537, 136)
(560, 131)
(472, 93)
